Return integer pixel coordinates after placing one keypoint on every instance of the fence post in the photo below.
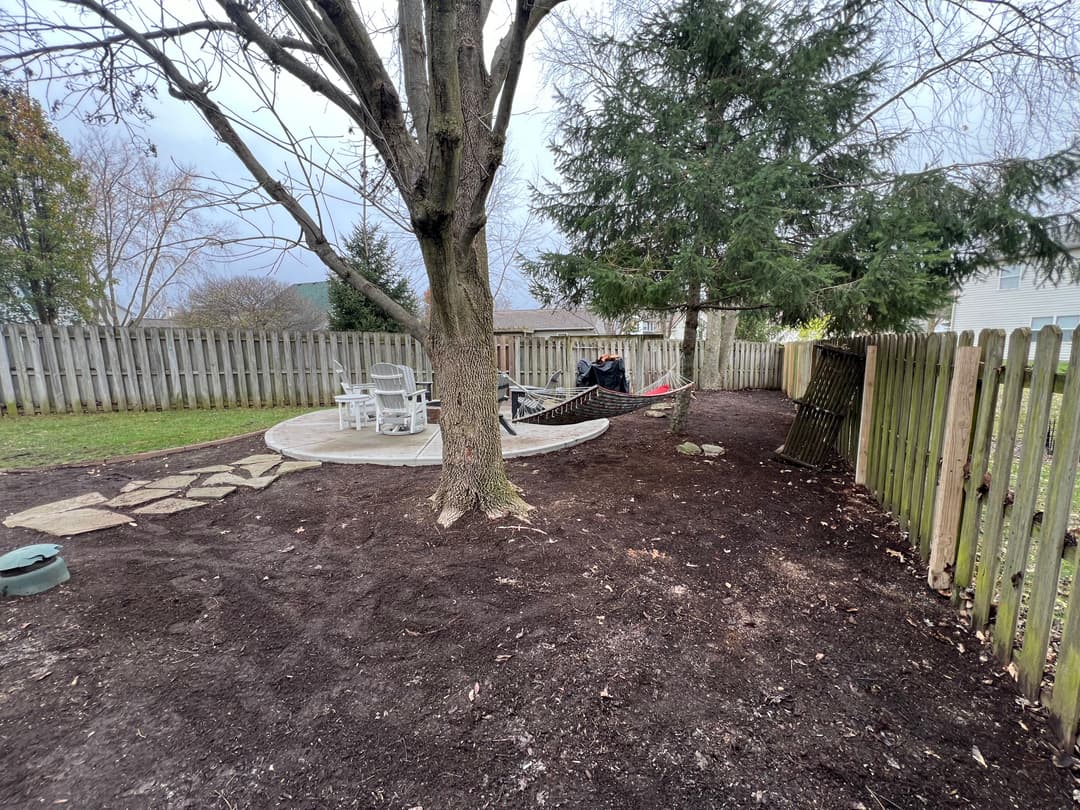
(947, 504)
(865, 417)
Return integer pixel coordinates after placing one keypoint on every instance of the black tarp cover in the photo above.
(608, 373)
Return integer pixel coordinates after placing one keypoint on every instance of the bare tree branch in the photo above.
(414, 65)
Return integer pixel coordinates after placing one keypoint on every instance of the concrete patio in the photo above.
(316, 437)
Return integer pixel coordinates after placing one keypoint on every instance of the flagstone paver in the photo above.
(256, 470)
(213, 468)
(209, 492)
(53, 507)
(172, 482)
(75, 521)
(294, 466)
(259, 459)
(168, 506)
(164, 496)
(233, 480)
(140, 496)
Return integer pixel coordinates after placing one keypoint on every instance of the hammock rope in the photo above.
(568, 406)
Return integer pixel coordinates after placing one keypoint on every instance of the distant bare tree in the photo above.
(248, 302)
(152, 225)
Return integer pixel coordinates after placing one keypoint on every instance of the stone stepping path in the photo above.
(163, 496)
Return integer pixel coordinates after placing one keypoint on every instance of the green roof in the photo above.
(316, 292)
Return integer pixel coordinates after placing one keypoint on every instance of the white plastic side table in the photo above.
(358, 403)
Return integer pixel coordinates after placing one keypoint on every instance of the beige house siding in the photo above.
(983, 302)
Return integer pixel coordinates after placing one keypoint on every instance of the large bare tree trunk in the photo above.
(710, 352)
(442, 151)
(461, 342)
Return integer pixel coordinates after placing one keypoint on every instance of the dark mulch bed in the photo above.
(666, 632)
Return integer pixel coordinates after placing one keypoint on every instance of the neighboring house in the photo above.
(317, 293)
(677, 326)
(1011, 296)
(549, 322)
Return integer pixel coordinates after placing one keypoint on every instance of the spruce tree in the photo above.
(369, 253)
(689, 180)
(713, 166)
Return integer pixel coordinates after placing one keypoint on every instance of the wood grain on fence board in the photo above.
(1011, 396)
(992, 346)
(1013, 572)
(935, 440)
(950, 493)
(921, 462)
(889, 435)
(916, 418)
(1031, 660)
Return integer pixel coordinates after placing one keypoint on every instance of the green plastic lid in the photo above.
(31, 570)
(28, 555)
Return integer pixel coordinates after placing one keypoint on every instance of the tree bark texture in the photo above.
(681, 410)
(461, 343)
(718, 346)
(710, 379)
(726, 349)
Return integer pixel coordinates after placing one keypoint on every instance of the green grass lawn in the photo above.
(34, 441)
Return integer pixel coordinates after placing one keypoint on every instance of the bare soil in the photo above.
(667, 632)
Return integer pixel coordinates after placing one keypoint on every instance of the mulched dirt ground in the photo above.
(667, 632)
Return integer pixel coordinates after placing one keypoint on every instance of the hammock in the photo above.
(568, 406)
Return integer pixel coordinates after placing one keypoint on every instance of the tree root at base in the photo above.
(454, 505)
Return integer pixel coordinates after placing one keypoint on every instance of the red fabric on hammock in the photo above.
(660, 389)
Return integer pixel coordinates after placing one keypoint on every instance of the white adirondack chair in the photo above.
(400, 407)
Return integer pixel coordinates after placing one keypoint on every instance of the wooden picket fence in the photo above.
(532, 360)
(77, 369)
(953, 442)
(797, 366)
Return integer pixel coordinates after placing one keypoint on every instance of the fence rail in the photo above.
(75, 369)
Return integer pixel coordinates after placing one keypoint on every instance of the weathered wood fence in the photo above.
(75, 369)
(954, 443)
(799, 361)
(798, 364)
(532, 361)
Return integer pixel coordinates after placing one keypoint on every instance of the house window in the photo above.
(1039, 323)
(1068, 323)
(1009, 278)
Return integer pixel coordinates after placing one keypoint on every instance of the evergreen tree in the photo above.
(368, 252)
(45, 240)
(711, 167)
(689, 180)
